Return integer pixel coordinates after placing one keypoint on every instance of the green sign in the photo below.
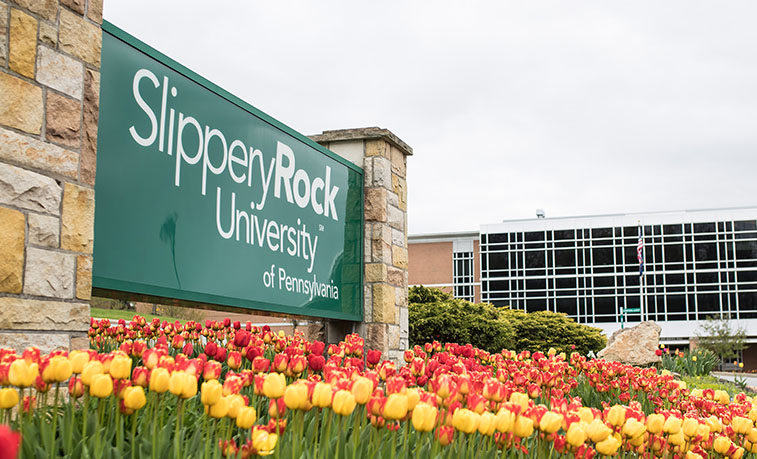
(630, 310)
(201, 197)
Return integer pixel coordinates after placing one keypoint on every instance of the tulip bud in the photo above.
(598, 430)
(424, 417)
(236, 402)
(633, 428)
(576, 436)
(551, 422)
(134, 398)
(505, 420)
(296, 396)
(608, 446)
(445, 435)
(120, 367)
(322, 395)
(654, 423)
(93, 367)
(189, 386)
(672, 425)
(78, 360)
(219, 409)
(246, 417)
(159, 380)
(395, 407)
(211, 370)
(75, 387)
(8, 398)
(274, 385)
(487, 422)
(617, 415)
(234, 360)
(102, 386)
(344, 402)
(211, 392)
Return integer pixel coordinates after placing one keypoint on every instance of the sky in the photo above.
(577, 108)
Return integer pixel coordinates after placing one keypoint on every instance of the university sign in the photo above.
(203, 198)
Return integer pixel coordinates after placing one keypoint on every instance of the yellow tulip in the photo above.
(211, 392)
(741, 425)
(585, 414)
(633, 428)
(617, 415)
(263, 442)
(361, 389)
(523, 427)
(395, 407)
(721, 445)
(322, 395)
(505, 420)
(159, 380)
(487, 423)
(296, 396)
(714, 424)
(8, 398)
(413, 397)
(519, 398)
(655, 423)
(598, 431)
(550, 422)
(22, 374)
(608, 446)
(274, 385)
(722, 397)
(78, 360)
(92, 368)
(344, 402)
(120, 367)
(134, 397)
(189, 386)
(246, 417)
(219, 409)
(576, 435)
(424, 417)
(676, 439)
(465, 420)
(176, 382)
(672, 425)
(102, 386)
(236, 402)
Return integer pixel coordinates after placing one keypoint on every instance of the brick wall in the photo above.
(49, 92)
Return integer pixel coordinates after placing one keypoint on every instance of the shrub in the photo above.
(435, 315)
(697, 362)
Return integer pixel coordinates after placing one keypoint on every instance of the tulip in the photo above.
(617, 415)
(633, 428)
(608, 446)
(276, 409)
(523, 427)
(676, 439)
(134, 398)
(280, 362)
(322, 395)
(22, 373)
(487, 423)
(219, 409)
(93, 367)
(211, 370)
(61, 367)
(8, 398)
(78, 360)
(189, 386)
(505, 420)
(395, 407)
(519, 398)
(234, 360)
(672, 425)
(211, 392)
(246, 417)
(361, 389)
(576, 436)
(598, 430)
(75, 387)
(344, 402)
(550, 422)
(297, 364)
(236, 402)
(740, 425)
(120, 367)
(159, 380)
(274, 385)
(296, 396)
(424, 417)
(102, 386)
(655, 423)
(264, 442)
(140, 376)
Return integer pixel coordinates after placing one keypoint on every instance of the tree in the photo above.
(717, 336)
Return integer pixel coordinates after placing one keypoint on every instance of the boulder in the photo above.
(634, 346)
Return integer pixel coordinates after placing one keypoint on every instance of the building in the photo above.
(697, 263)
(450, 261)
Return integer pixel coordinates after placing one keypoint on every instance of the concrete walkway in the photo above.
(751, 378)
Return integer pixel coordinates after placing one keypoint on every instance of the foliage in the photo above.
(711, 382)
(436, 316)
(696, 362)
(717, 335)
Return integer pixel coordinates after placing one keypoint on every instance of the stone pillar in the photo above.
(383, 157)
(49, 96)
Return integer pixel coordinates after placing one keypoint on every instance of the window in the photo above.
(463, 279)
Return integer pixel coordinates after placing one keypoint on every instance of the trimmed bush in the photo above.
(436, 315)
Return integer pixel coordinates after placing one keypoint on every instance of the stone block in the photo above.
(381, 252)
(84, 277)
(32, 152)
(367, 303)
(367, 249)
(395, 276)
(20, 104)
(76, 5)
(23, 43)
(79, 343)
(404, 324)
(375, 272)
(382, 233)
(399, 186)
(46, 342)
(382, 173)
(399, 161)
(392, 199)
(375, 204)
(399, 257)
(63, 120)
(48, 34)
(60, 72)
(49, 273)
(399, 238)
(367, 172)
(376, 147)
(393, 336)
(3, 34)
(44, 230)
(23, 314)
(80, 38)
(48, 9)
(12, 236)
(375, 337)
(89, 127)
(396, 218)
(78, 218)
(95, 11)
(400, 297)
(634, 346)
(29, 190)
(383, 304)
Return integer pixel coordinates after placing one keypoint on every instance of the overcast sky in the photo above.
(576, 107)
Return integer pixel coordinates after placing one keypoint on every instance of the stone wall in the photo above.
(383, 157)
(49, 92)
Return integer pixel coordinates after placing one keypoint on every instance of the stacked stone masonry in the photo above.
(49, 99)
(383, 157)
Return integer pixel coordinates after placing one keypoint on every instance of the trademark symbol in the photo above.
(320, 227)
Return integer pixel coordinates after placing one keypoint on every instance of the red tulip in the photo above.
(9, 442)
(316, 362)
(373, 357)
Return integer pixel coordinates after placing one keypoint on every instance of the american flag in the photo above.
(640, 252)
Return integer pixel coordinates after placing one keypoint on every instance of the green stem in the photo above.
(133, 434)
(84, 415)
(55, 420)
(155, 427)
(339, 436)
(355, 431)
(327, 438)
(434, 445)
(177, 432)
(316, 432)
(119, 430)
(393, 435)
(98, 437)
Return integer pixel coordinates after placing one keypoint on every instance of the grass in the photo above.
(116, 314)
(711, 382)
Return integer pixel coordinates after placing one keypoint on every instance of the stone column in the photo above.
(383, 157)
(49, 96)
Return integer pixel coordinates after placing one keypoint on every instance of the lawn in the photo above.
(127, 315)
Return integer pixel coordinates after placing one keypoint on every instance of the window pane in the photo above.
(602, 256)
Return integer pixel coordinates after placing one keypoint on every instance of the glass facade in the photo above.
(692, 270)
(462, 275)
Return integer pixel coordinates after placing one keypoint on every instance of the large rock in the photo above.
(634, 346)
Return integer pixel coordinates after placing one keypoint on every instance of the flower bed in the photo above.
(161, 390)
